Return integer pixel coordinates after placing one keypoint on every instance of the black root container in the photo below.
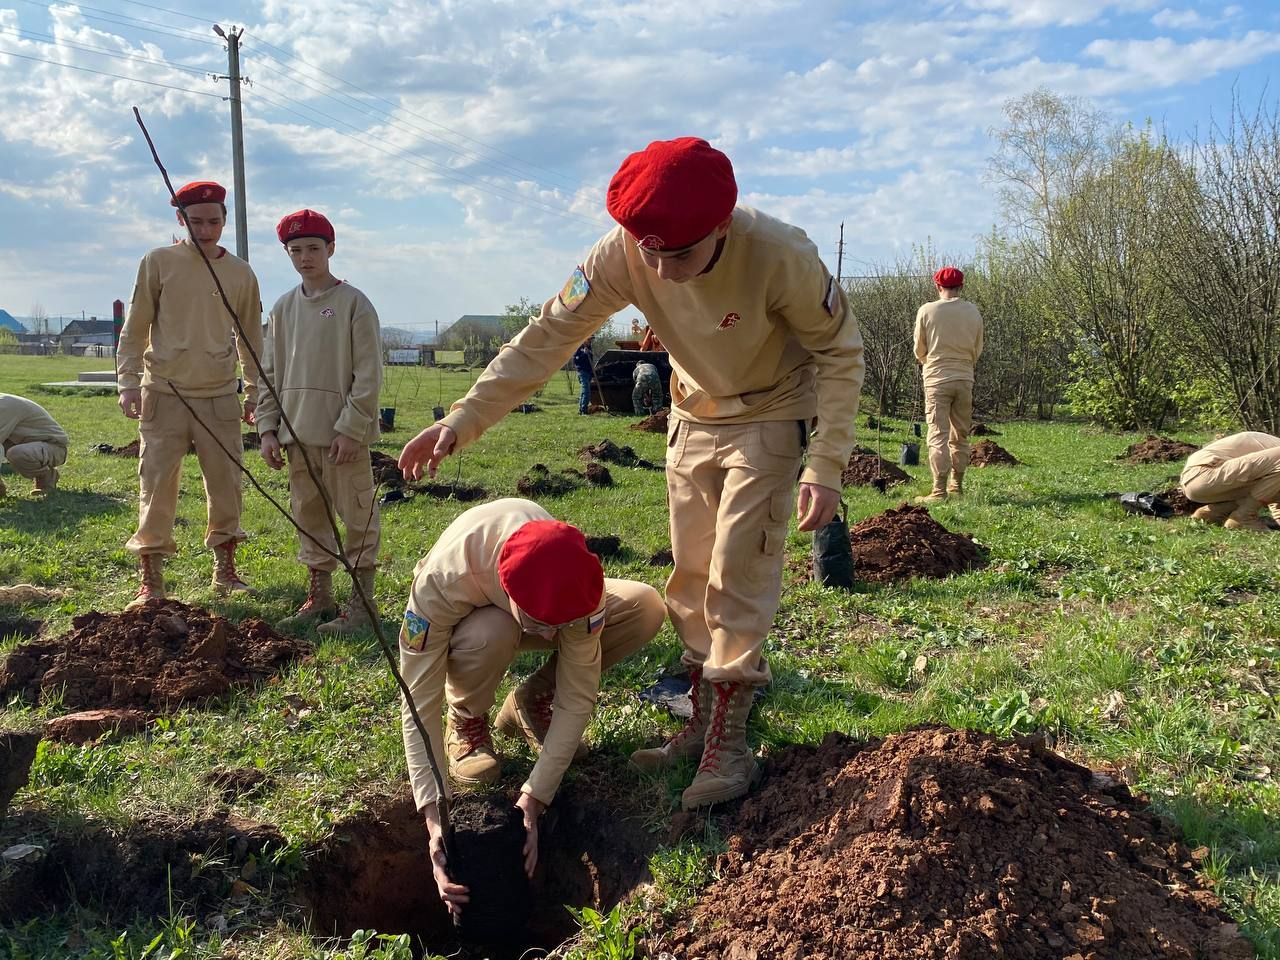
(490, 843)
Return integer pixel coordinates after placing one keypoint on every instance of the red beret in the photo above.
(304, 223)
(949, 277)
(546, 568)
(672, 193)
(199, 191)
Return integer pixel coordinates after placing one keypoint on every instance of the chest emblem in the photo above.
(327, 312)
(729, 322)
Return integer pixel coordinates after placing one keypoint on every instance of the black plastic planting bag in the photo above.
(1146, 505)
(833, 553)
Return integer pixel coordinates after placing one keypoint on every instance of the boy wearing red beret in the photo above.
(948, 339)
(324, 356)
(762, 344)
(176, 369)
(503, 578)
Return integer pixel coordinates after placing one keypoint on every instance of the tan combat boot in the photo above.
(47, 482)
(527, 710)
(955, 486)
(319, 604)
(728, 768)
(354, 617)
(470, 747)
(1214, 514)
(937, 495)
(151, 575)
(225, 579)
(1245, 517)
(686, 743)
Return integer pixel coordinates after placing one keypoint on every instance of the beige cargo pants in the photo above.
(350, 490)
(948, 410)
(36, 459)
(730, 489)
(485, 642)
(168, 429)
(1255, 475)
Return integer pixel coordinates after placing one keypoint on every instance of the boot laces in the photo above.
(715, 727)
(690, 728)
(226, 560)
(473, 731)
(148, 588)
(313, 601)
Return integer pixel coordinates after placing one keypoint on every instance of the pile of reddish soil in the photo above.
(865, 468)
(654, 423)
(609, 452)
(541, 482)
(906, 542)
(982, 430)
(1183, 506)
(160, 654)
(941, 844)
(1155, 449)
(988, 453)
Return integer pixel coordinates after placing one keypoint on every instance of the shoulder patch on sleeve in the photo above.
(413, 635)
(575, 289)
(832, 298)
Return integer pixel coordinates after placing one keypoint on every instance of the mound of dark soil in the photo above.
(1183, 506)
(157, 655)
(988, 453)
(386, 470)
(462, 492)
(865, 469)
(609, 452)
(541, 482)
(654, 423)
(603, 547)
(942, 844)
(1153, 449)
(662, 558)
(906, 542)
(130, 449)
(982, 430)
(17, 752)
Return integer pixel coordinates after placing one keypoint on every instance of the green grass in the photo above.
(1148, 647)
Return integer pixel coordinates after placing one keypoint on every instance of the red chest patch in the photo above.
(729, 322)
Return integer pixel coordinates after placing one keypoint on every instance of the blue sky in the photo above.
(462, 148)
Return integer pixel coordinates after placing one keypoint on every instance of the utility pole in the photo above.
(840, 255)
(232, 37)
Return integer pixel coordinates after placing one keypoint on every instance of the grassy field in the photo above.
(1150, 647)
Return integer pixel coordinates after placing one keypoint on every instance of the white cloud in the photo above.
(1164, 62)
(1040, 13)
(1169, 19)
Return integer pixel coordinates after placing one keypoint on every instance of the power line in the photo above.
(401, 107)
(49, 40)
(176, 13)
(425, 163)
(116, 76)
(135, 23)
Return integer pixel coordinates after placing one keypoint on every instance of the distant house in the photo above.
(79, 336)
(470, 327)
(7, 322)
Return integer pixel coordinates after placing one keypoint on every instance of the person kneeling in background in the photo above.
(1235, 477)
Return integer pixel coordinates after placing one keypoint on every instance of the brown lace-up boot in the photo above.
(225, 579)
(151, 577)
(469, 744)
(686, 743)
(354, 617)
(319, 604)
(728, 768)
(527, 710)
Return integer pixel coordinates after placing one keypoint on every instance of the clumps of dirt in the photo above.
(158, 655)
(141, 869)
(17, 752)
(541, 482)
(462, 492)
(939, 844)
(906, 542)
(1179, 502)
(598, 475)
(1153, 449)
(604, 547)
(386, 470)
(988, 453)
(130, 449)
(662, 558)
(867, 469)
(982, 430)
(654, 423)
(609, 452)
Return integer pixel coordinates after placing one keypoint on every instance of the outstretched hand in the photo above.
(816, 506)
(427, 449)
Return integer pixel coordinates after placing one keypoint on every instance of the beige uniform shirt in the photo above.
(948, 340)
(178, 330)
(457, 576)
(324, 355)
(765, 335)
(1228, 448)
(25, 421)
